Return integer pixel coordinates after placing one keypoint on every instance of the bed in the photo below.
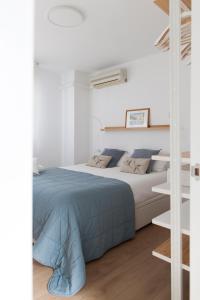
(147, 203)
(80, 212)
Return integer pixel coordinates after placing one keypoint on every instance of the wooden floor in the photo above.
(127, 272)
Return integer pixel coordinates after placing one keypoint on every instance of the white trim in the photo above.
(175, 159)
(195, 157)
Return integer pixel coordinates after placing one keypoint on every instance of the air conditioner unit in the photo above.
(101, 80)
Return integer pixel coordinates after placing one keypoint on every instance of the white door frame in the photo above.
(195, 157)
(175, 152)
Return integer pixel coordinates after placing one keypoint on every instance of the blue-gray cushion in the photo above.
(116, 155)
(145, 153)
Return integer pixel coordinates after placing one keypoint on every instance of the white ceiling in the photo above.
(114, 32)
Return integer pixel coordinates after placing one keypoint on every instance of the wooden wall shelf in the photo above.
(121, 128)
(164, 252)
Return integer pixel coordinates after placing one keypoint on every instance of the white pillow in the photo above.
(35, 167)
(160, 166)
(122, 159)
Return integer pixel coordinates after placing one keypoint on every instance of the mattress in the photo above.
(141, 185)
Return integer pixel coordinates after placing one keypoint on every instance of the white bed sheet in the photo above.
(141, 185)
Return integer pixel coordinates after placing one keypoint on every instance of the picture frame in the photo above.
(137, 118)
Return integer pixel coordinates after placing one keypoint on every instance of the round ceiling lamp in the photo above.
(65, 16)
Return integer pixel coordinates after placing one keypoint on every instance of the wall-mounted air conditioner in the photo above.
(101, 80)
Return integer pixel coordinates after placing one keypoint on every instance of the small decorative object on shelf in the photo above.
(137, 118)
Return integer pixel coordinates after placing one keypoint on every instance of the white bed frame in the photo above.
(146, 211)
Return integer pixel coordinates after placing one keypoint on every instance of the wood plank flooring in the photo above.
(126, 272)
(165, 249)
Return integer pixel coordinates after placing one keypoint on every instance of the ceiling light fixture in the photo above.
(65, 16)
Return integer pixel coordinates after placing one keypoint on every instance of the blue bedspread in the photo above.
(77, 217)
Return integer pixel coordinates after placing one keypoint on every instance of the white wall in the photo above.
(47, 118)
(67, 124)
(75, 115)
(82, 137)
(67, 119)
(147, 86)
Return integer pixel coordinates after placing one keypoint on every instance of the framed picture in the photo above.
(137, 118)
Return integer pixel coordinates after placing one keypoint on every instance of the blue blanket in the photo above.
(77, 217)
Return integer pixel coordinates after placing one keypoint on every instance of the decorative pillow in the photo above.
(116, 155)
(135, 165)
(160, 166)
(99, 161)
(124, 157)
(145, 153)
